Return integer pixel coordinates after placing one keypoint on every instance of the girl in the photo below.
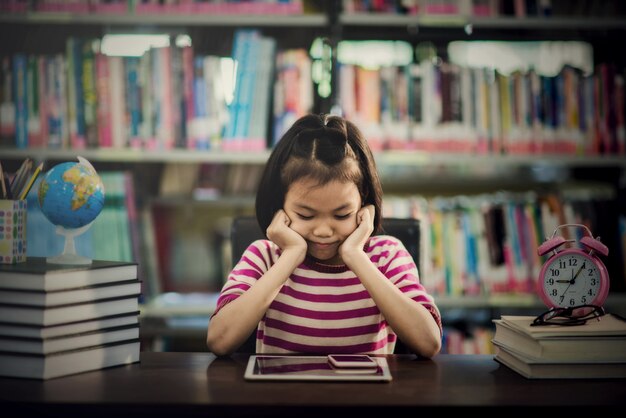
(322, 283)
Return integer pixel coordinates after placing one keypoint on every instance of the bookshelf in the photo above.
(417, 159)
(404, 173)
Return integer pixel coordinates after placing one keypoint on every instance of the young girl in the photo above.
(321, 283)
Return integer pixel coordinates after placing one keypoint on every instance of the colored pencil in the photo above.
(31, 181)
(20, 177)
(4, 187)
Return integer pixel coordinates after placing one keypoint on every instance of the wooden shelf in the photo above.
(500, 23)
(386, 158)
(317, 20)
(36, 18)
(139, 156)
(395, 158)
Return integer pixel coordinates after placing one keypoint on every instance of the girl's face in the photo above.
(323, 215)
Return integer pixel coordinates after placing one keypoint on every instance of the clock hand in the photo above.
(573, 281)
(570, 283)
(578, 272)
(563, 281)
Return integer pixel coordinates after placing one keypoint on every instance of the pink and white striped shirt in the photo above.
(324, 308)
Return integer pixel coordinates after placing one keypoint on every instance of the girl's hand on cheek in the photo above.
(356, 241)
(282, 235)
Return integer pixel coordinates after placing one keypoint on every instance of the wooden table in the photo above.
(199, 384)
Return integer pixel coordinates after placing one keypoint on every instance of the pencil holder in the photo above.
(12, 231)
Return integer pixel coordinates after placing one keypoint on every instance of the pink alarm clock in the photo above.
(572, 276)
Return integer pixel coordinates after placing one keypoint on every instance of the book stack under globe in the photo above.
(58, 319)
(596, 349)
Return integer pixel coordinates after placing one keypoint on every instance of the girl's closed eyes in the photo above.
(310, 217)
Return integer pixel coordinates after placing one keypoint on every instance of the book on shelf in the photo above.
(36, 274)
(537, 369)
(57, 344)
(293, 91)
(105, 101)
(260, 103)
(64, 363)
(117, 103)
(81, 326)
(486, 244)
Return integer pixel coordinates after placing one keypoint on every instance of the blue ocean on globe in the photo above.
(71, 195)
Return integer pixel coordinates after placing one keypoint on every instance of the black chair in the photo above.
(245, 230)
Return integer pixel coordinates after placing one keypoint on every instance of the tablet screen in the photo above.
(276, 367)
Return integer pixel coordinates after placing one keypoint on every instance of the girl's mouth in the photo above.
(321, 246)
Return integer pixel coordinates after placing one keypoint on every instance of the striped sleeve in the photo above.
(254, 262)
(397, 264)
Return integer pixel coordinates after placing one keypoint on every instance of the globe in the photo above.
(71, 194)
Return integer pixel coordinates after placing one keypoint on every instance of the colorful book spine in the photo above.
(104, 101)
(187, 102)
(7, 104)
(20, 98)
(165, 127)
(260, 102)
(75, 94)
(61, 100)
(236, 122)
(90, 94)
(248, 79)
(146, 129)
(176, 97)
(199, 134)
(43, 104)
(118, 103)
(132, 101)
(33, 103)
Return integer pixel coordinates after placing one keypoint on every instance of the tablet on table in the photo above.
(296, 367)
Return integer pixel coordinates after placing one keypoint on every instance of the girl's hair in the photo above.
(323, 148)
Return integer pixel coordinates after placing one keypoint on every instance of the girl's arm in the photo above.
(413, 323)
(232, 325)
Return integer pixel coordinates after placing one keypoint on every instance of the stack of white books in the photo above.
(596, 349)
(57, 320)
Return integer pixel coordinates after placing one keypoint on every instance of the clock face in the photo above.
(572, 279)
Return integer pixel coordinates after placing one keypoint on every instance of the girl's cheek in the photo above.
(351, 226)
(297, 226)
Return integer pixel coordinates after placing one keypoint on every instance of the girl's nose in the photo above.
(323, 229)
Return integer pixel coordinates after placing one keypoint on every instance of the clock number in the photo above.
(554, 292)
(572, 302)
(554, 272)
(583, 299)
(592, 282)
(573, 262)
(551, 281)
(562, 264)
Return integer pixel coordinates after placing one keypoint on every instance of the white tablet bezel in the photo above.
(341, 374)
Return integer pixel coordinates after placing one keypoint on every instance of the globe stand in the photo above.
(69, 255)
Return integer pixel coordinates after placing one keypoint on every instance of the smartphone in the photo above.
(360, 361)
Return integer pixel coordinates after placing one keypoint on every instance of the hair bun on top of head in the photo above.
(325, 144)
